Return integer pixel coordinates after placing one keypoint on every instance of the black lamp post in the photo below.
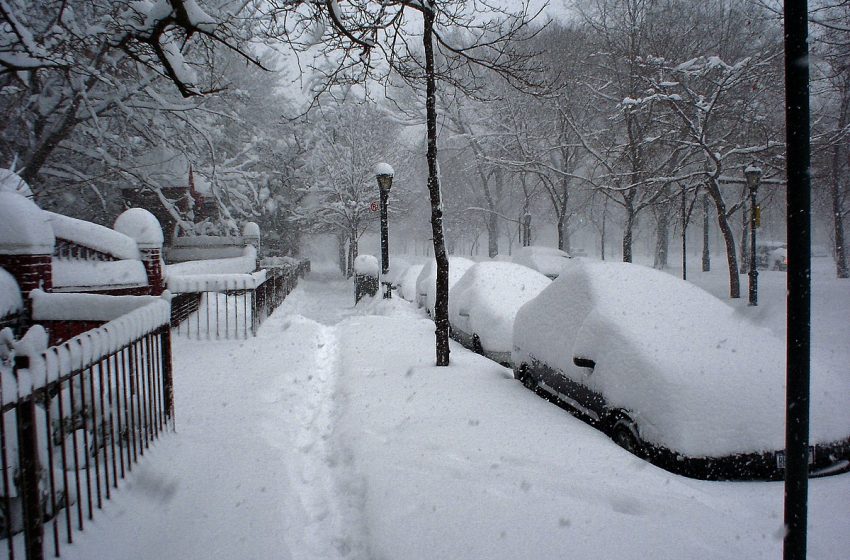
(384, 173)
(753, 176)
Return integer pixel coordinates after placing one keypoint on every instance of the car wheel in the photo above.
(624, 433)
(525, 378)
(476, 344)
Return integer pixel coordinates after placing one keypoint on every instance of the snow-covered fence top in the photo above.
(243, 264)
(48, 364)
(197, 283)
(94, 236)
(84, 307)
(206, 247)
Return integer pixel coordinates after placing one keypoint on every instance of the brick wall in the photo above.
(30, 271)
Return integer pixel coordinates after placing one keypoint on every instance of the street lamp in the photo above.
(384, 174)
(753, 176)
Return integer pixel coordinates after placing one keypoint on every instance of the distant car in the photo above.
(407, 282)
(484, 302)
(426, 283)
(672, 373)
(546, 260)
(764, 249)
(778, 259)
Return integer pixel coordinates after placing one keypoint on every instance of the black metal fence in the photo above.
(230, 305)
(75, 420)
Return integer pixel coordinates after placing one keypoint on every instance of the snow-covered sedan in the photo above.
(426, 283)
(484, 303)
(672, 373)
(546, 260)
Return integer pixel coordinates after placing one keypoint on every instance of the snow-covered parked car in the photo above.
(672, 373)
(546, 260)
(484, 303)
(779, 259)
(426, 283)
(407, 282)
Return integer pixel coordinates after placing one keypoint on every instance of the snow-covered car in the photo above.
(426, 283)
(779, 259)
(407, 282)
(484, 303)
(764, 250)
(546, 260)
(672, 373)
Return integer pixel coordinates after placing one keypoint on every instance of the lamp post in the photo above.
(384, 174)
(753, 177)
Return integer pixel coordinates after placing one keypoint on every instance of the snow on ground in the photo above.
(331, 435)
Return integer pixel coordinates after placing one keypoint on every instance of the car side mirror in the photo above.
(584, 362)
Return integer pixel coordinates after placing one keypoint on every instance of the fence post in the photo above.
(167, 377)
(30, 471)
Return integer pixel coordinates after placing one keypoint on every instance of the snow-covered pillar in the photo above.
(144, 228)
(251, 235)
(26, 244)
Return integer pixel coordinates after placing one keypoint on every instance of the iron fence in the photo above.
(229, 305)
(75, 420)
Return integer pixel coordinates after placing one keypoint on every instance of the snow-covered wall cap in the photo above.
(12, 182)
(384, 169)
(10, 294)
(142, 226)
(96, 236)
(366, 265)
(251, 229)
(752, 169)
(24, 229)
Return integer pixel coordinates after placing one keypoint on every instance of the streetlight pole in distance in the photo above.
(384, 174)
(753, 176)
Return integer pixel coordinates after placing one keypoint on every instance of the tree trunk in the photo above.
(662, 239)
(706, 249)
(728, 239)
(745, 238)
(441, 307)
(343, 267)
(628, 231)
(841, 268)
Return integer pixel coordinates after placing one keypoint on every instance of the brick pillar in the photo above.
(30, 271)
(152, 259)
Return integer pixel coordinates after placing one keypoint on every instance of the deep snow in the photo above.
(331, 435)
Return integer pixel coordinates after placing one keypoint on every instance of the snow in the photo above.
(697, 376)
(98, 274)
(142, 226)
(194, 283)
(486, 299)
(331, 435)
(94, 236)
(84, 307)
(245, 264)
(367, 265)
(384, 169)
(407, 284)
(547, 260)
(426, 282)
(251, 229)
(10, 294)
(12, 182)
(24, 229)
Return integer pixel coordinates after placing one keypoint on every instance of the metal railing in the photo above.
(75, 420)
(229, 305)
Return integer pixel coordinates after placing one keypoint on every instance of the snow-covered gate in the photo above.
(75, 420)
(229, 305)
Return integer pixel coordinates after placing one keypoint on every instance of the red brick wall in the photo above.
(30, 271)
(60, 331)
(152, 259)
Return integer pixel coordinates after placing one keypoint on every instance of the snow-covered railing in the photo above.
(86, 240)
(86, 411)
(228, 305)
(245, 263)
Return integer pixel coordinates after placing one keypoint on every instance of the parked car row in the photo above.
(668, 371)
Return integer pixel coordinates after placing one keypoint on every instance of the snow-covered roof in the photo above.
(697, 376)
(10, 294)
(142, 226)
(79, 273)
(486, 299)
(12, 182)
(24, 229)
(95, 236)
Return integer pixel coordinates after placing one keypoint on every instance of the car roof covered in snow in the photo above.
(426, 283)
(547, 260)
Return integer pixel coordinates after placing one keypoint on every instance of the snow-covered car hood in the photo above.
(697, 376)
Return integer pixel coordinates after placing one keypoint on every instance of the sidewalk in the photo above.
(331, 435)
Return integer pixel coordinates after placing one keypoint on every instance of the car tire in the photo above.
(525, 377)
(476, 344)
(624, 433)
